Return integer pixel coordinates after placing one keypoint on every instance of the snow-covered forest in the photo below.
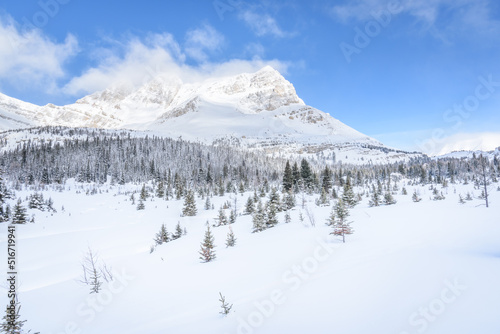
(119, 232)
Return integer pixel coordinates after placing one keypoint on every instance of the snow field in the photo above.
(427, 267)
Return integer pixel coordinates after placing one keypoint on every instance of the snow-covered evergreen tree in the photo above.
(207, 252)
(258, 218)
(189, 204)
(19, 215)
(231, 239)
(162, 236)
(341, 226)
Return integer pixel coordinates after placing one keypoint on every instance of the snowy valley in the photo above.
(230, 206)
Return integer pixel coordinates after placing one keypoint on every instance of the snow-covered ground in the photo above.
(427, 267)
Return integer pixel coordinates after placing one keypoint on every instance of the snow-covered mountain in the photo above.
(260, 109)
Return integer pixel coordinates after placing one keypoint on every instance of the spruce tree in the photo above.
(375, 199)
(160, 190)
(162, 236)
(249, 206)
(226, 308)
(208, 205)
(258, 218)
(207, 252)
(19, 215)
(415, 197)
(11, 320)
(326, 179)
(271, 214)
(287, 177)
(221, 218)
(178, 231)
(341, 226)
(231, 239)
(389, 199)
(144, 193)
(348, 196)
(189, 205)
(140, 205)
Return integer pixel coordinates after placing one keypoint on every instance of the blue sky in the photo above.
(419, 75)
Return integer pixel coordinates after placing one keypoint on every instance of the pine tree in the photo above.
(226, 308)
(271, 214)
(348, 196)
(11, 320)
(231, 239)
(162, 236)
(189, 205)
(306, 174)
(331, 220)
(178, 231)
(232, 217)
(289, 201)
(326, 180)
(207, 251)
(249, 206)
(221, 218)
(287, 177)
(140, 205)
(19, 216)
(341, 226)
(144, 193)
(208, 205)
(389, 199)
(461, 199)
(288, 219)
(258, 218)
(375, 199)
(415, 198)
(160, 190)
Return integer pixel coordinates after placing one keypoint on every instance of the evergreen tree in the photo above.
(208, 205)
(232, 217)
(461, 199)
(287, 177)
(415, 197)
(162, 236)
(226, 308)
(19, 216)
(249, 206)
(221, 218)
(11, 320)
(160, 190)
(288, 219)
(289, 202)
(306, 174)
(326, 180)
(271, 214)
(207, 252)
(341, 226)
(375, 199)
(144, 193)
(189, 205)
(389, 199)
(231, 239)
(296, 177)
(178, 231)
(348, 196)
(258, 218)
(140, 205)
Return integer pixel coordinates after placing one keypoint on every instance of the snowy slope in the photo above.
(408, 268)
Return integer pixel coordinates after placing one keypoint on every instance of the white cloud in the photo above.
(262, 24)
(142, 60)
(485, 141)
(30, 59)
(201, 41)
(460, 14)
